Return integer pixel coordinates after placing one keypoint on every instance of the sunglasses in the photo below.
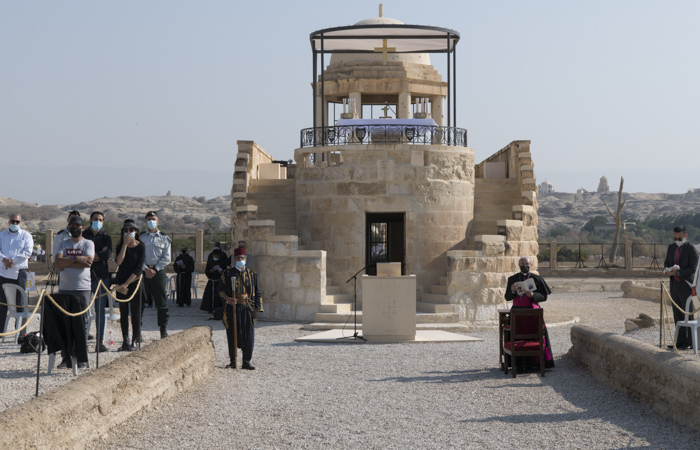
(15, 222)
(678, 239)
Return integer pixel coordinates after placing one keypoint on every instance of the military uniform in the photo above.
(157, 258)
(248, 299)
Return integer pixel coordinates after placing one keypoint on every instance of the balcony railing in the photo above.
(383, 134)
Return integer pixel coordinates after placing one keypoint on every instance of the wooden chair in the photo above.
(526, 336)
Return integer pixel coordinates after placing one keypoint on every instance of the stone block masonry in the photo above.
(670, 383)
(88, 407)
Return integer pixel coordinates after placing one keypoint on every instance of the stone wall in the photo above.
(433, 186)
(670, 383)
(74, 414)
(292, 281)
(476, 279)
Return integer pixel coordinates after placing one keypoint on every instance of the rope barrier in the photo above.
(118, 299)
(26, 324)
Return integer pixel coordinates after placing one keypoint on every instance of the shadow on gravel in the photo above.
(455, 376)
(18, 373)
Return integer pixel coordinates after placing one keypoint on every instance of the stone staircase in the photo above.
(493, 201)
(276, 200)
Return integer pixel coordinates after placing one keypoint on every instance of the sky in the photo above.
(140, 97)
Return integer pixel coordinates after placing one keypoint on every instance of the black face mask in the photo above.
(525, 269)
(184, 252)
(75, 232)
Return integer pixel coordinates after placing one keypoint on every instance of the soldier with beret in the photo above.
(157, 258)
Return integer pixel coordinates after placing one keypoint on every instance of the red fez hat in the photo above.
(240, 251)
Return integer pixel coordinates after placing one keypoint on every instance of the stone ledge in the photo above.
(76, 413)
(670, 383)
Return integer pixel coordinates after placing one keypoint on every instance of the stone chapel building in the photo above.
(391, 178)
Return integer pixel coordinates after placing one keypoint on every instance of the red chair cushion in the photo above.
(523, 345)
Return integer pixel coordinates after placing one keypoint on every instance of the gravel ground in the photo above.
(390, 395)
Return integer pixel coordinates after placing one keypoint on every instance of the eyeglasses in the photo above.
(15, 222)
(678, 239)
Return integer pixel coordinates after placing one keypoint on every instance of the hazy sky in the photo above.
(91, 89)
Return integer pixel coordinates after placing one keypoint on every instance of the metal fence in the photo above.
(585, 255)
(382, 134)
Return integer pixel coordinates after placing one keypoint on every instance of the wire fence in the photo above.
(602, 255)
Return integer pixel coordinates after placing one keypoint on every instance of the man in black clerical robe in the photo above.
(184, 266)
(680, 264)
(529, 299)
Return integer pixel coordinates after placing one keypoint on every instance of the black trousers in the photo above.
(245, 328)
(184, 292)
(155, 288)
(135, 306)
(680, 291)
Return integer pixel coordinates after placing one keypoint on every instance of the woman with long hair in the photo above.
(131, 254)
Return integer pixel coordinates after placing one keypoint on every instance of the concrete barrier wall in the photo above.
(88, 407)
(670, 383)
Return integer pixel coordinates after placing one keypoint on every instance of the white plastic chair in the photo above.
(171, 291)
(11, 291)
(691, 305)
(692, 324)
(74, 364)
(195, 280)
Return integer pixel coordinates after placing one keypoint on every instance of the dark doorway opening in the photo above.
(386, 240)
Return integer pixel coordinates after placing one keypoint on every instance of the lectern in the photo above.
(389, 308)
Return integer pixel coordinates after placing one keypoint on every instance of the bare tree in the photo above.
(618, 221)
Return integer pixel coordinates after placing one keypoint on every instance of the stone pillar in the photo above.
(437, 107)
(358, 100)
(199, 246)
(628, 255)
(553, 255)
(49, 248)
(404, 106)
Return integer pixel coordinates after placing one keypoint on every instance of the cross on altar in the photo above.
(386, 111)
(384, 49)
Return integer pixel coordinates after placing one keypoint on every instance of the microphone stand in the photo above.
(354, 302)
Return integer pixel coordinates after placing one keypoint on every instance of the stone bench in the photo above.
(670, 383)
(85, 409)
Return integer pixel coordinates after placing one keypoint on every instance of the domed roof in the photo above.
(415, 58)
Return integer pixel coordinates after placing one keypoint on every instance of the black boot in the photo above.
(163, 332)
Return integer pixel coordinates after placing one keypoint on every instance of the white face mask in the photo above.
(680, 243)
(240, 265)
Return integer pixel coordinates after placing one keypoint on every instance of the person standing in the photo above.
(680, 264)
(240, 289)
(63, 235)
(99, 271)
(216, 264)
(524, 298)
(15, 250)
(184, 266)
(157, 258)
(131, 254)
(74, 258)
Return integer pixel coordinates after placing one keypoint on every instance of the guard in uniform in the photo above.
(157, 258)
(240, 289)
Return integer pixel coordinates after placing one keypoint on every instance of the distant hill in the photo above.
(182, 214)
(574, 210)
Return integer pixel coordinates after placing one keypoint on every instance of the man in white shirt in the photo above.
(15, 250)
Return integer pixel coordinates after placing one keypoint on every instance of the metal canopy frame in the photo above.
(405, 39)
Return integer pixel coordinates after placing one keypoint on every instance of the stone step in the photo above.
(434, 307)
(289, 182)
(442, 288)
(331, 290)
(443, 280)
(435, 298)
(337, 308)
(496, 182)
(337, 298)
(421, 317)
(286, 232)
